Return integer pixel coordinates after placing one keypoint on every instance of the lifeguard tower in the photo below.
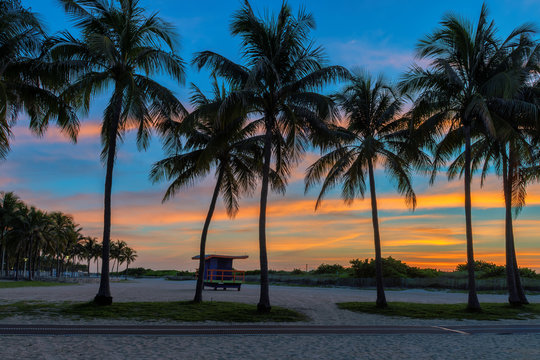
(219, 271)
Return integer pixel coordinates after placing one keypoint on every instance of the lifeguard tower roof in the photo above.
(208, 257)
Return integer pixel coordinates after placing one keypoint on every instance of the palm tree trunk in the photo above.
(103, 296)
(473, 303)
(57, 259)
(519, 285)
(17, 264)
(89, 267)
(3, 255)
(513, 297)
(381, 297)
(516, 294)
(127, 267)
(264, 300)
(29, 257)
(202, 251)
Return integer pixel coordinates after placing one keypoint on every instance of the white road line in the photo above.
(452, 330)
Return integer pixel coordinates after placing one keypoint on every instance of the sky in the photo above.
(379, 36)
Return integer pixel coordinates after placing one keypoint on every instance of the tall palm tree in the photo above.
(30, 233)
(455, 96)
(62, 226)
(278, 84)
(226, 143)
(97, 251)
(88, 250)
(512, 152)
(25, 83)
(128, 256)
(117, 248)
(371, 137)
(9, 210)
(121, 48)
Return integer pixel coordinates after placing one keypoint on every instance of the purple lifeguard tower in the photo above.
(219, 271)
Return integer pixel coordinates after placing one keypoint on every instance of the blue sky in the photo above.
(379, 36)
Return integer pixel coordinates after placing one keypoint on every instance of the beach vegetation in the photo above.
(186, 311)
(223, 142)
(119, 49)
(280, 82)
(490, 311)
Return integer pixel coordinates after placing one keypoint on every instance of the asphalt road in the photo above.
(13, 329)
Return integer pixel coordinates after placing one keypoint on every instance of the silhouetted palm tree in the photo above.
(128, 256)
(512, 150)
(88, 250)
(372, 136)
(225, 143)
(9, 210)
(457, 90)
(26, 84)
(279, 84)
(120, 47)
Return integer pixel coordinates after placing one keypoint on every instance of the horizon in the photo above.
(53, 174)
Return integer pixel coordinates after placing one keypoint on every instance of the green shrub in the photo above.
(485, 268)
(489, 270)
(392, 268)
(297, 272)
(528, 273)
(480, 265)
(329, 269)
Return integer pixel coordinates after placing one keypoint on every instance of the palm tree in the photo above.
(128, 256)
(31, 233)
(456, 94)
(117, 247)
(225, 143)
(62, 226)
(121, 47)
(97, 251)
(88, 250)
(279, 85)
(9, 210)
(371, 137)
(512, 152)
(25, 83)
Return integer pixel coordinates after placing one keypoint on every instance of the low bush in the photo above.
(489, 270)
(528, 273)
(329, 269)
(392, 268)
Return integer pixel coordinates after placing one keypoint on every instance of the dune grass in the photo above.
(8, 284)
(490, 311)
(152, 311)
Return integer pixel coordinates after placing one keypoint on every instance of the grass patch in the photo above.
(172, 311)
(490, 311)
(9, 284)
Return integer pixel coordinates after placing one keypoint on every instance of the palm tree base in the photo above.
(517, 303)
(475, 309)
(263, 308)
(381, 305)
(103, 300)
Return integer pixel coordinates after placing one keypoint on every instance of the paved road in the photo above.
(260, 330)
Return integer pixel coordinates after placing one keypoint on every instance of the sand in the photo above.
(317, 303)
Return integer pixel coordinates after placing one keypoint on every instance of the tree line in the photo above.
(472, 109)
(35, 243)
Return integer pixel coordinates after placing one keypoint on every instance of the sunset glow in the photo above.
(54, 174)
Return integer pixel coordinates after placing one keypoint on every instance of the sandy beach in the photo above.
(317, 303)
